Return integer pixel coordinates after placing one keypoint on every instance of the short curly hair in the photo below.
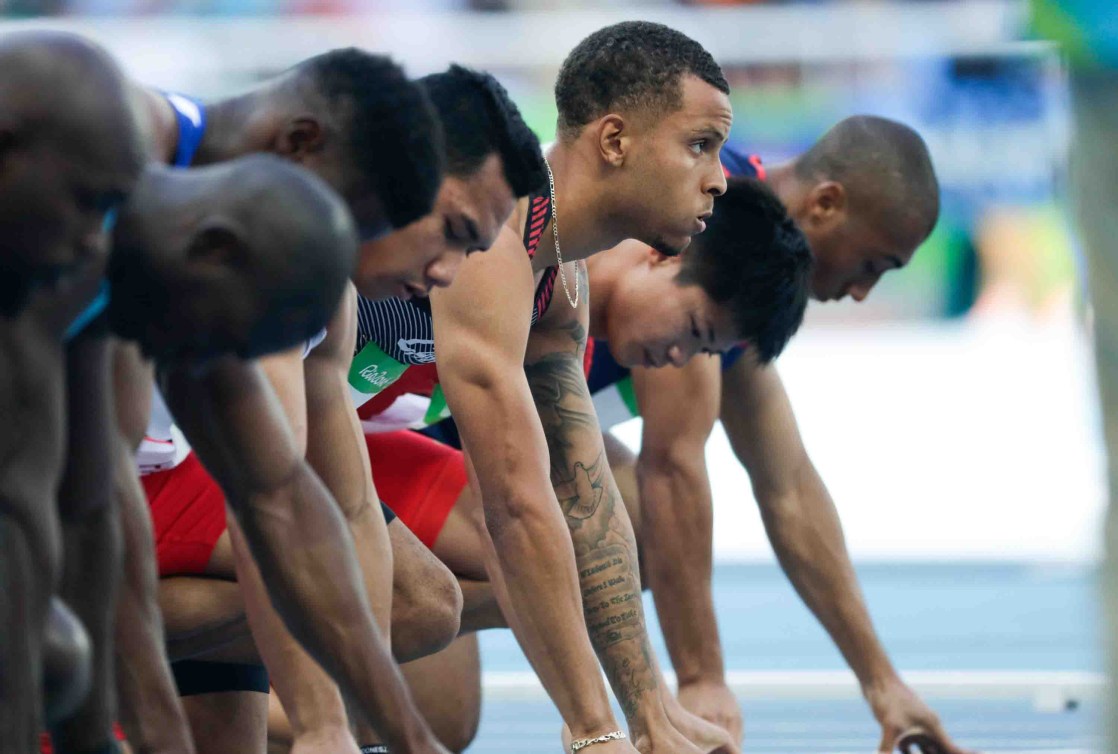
(479, 119)
(753, 260)
(633, 64)
(389, 123)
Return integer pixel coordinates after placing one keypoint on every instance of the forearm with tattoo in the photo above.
(604, 545)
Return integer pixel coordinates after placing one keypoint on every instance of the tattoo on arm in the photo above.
(603, 540)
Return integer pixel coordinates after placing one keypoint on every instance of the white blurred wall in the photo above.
(214, 56)
(959, 441)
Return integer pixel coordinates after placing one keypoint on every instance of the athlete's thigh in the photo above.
(230, 722)
(201, 615)
(447, 689)
(459, 544)
(221, 563)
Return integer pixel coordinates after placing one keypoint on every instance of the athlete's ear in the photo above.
(827, 202)
(613, 139)
(218, 242)
(299, 137)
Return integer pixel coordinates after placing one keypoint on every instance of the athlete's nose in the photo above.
(716, 181)
(859, 291)
(441, 272)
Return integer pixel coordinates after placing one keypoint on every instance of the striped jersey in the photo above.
(392, 379)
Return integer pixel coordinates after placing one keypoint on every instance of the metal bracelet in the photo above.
(582, 743)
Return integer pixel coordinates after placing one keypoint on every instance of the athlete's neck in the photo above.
(785, 183)
(234, 128)
(157, 122)
(603, 278)
(583, 207)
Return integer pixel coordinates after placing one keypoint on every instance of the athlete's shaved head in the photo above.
(753, 261)
(70, 150)
(633, 65)
(60, 86)
(479, 119)
(248, 256)
(388, 129)
(866, 196)
(886, 170)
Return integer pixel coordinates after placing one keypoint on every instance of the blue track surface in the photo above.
(931, 617)
(828, 728)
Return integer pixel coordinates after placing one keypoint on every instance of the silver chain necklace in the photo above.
(555, 232)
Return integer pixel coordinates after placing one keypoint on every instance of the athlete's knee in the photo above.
(426, 622)
(67, 663)
(458, 735)
(426, 608)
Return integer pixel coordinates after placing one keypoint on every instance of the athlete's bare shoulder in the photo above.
(518, 220)
(157, 122)
(341, 332)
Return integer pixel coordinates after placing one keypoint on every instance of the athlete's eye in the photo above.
(698, 146)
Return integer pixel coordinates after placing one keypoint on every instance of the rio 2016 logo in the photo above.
(376, 377)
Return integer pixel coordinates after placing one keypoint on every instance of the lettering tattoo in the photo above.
(603, 539)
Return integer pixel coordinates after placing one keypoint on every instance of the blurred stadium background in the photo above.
(953, 415)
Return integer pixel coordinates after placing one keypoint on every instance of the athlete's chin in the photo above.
(632, 355)
(671, 245)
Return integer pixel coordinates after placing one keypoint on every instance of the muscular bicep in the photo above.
(481, 328)
(335, 442)
(557, 379)
(761, 427)
(91, 423)
(284, 371)
(678, 406)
